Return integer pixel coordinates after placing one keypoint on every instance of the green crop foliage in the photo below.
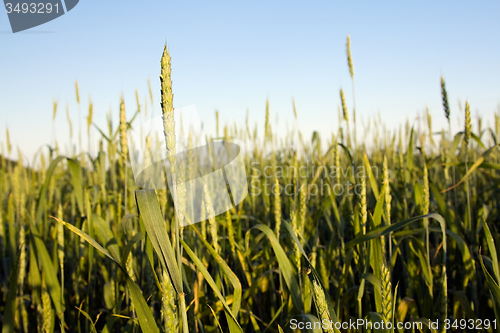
(395, 227)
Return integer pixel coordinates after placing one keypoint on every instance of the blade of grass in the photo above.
(493, 250)
(150, 212)
(390, 228)
(285, 266)
(314, 276)
(234, 327)
(10, 300)
(48, 269)
(227, 271)
(144, 314)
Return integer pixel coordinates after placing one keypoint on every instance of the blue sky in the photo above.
(232, 56)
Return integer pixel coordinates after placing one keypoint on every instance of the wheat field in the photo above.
(398, 227)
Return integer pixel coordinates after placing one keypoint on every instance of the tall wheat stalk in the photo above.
(277, 207)
(351, 72)
(60, 254)
(124, 148)
(345, 114)
(426, 211)
(77, 92)
(167, 107)
(447, 112)
(54, 113)
(387, 203)
(467, 137)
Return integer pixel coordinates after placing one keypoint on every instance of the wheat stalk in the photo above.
(429, 125)
(168, 308)
(363, 206)
(349, 57)
(443, 299)
(387, 202)
(167, 107)
(497, 125)
(467, 137)
(296, 250)
(47, 315)
(89, 117)
(230, 231)
(303, 208)
(137, 101)
(468, 126)
(60, 253)
(277, 207)
(344, 106)
(217, 123)
(124, 147)
(7, 138)
(425, 211)
(351, 72)
(321, 305)
(386, 293)
(211, 217)
(337, 161)
(444, 95)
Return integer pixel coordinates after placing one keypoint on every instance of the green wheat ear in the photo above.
(277, 207)
(60, 238)
(468, 128)
(444, 95)
(167, 107)
(70, 124)
(294, 108)
(123, 131)
(363, 206)
(266, 130)
(217, 123)
(386, 293)
(344, 106)
(168, 308)
(9, 146)
(77, 91)
(54, 109)
(321, 304)
(211, 220)
(137, 101)
(89, 117)
(387, 201)
(349, 57)
(47, 312)
(497, 124)
(429, 125)
(150, 91)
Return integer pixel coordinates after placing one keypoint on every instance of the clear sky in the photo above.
(233, 55)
